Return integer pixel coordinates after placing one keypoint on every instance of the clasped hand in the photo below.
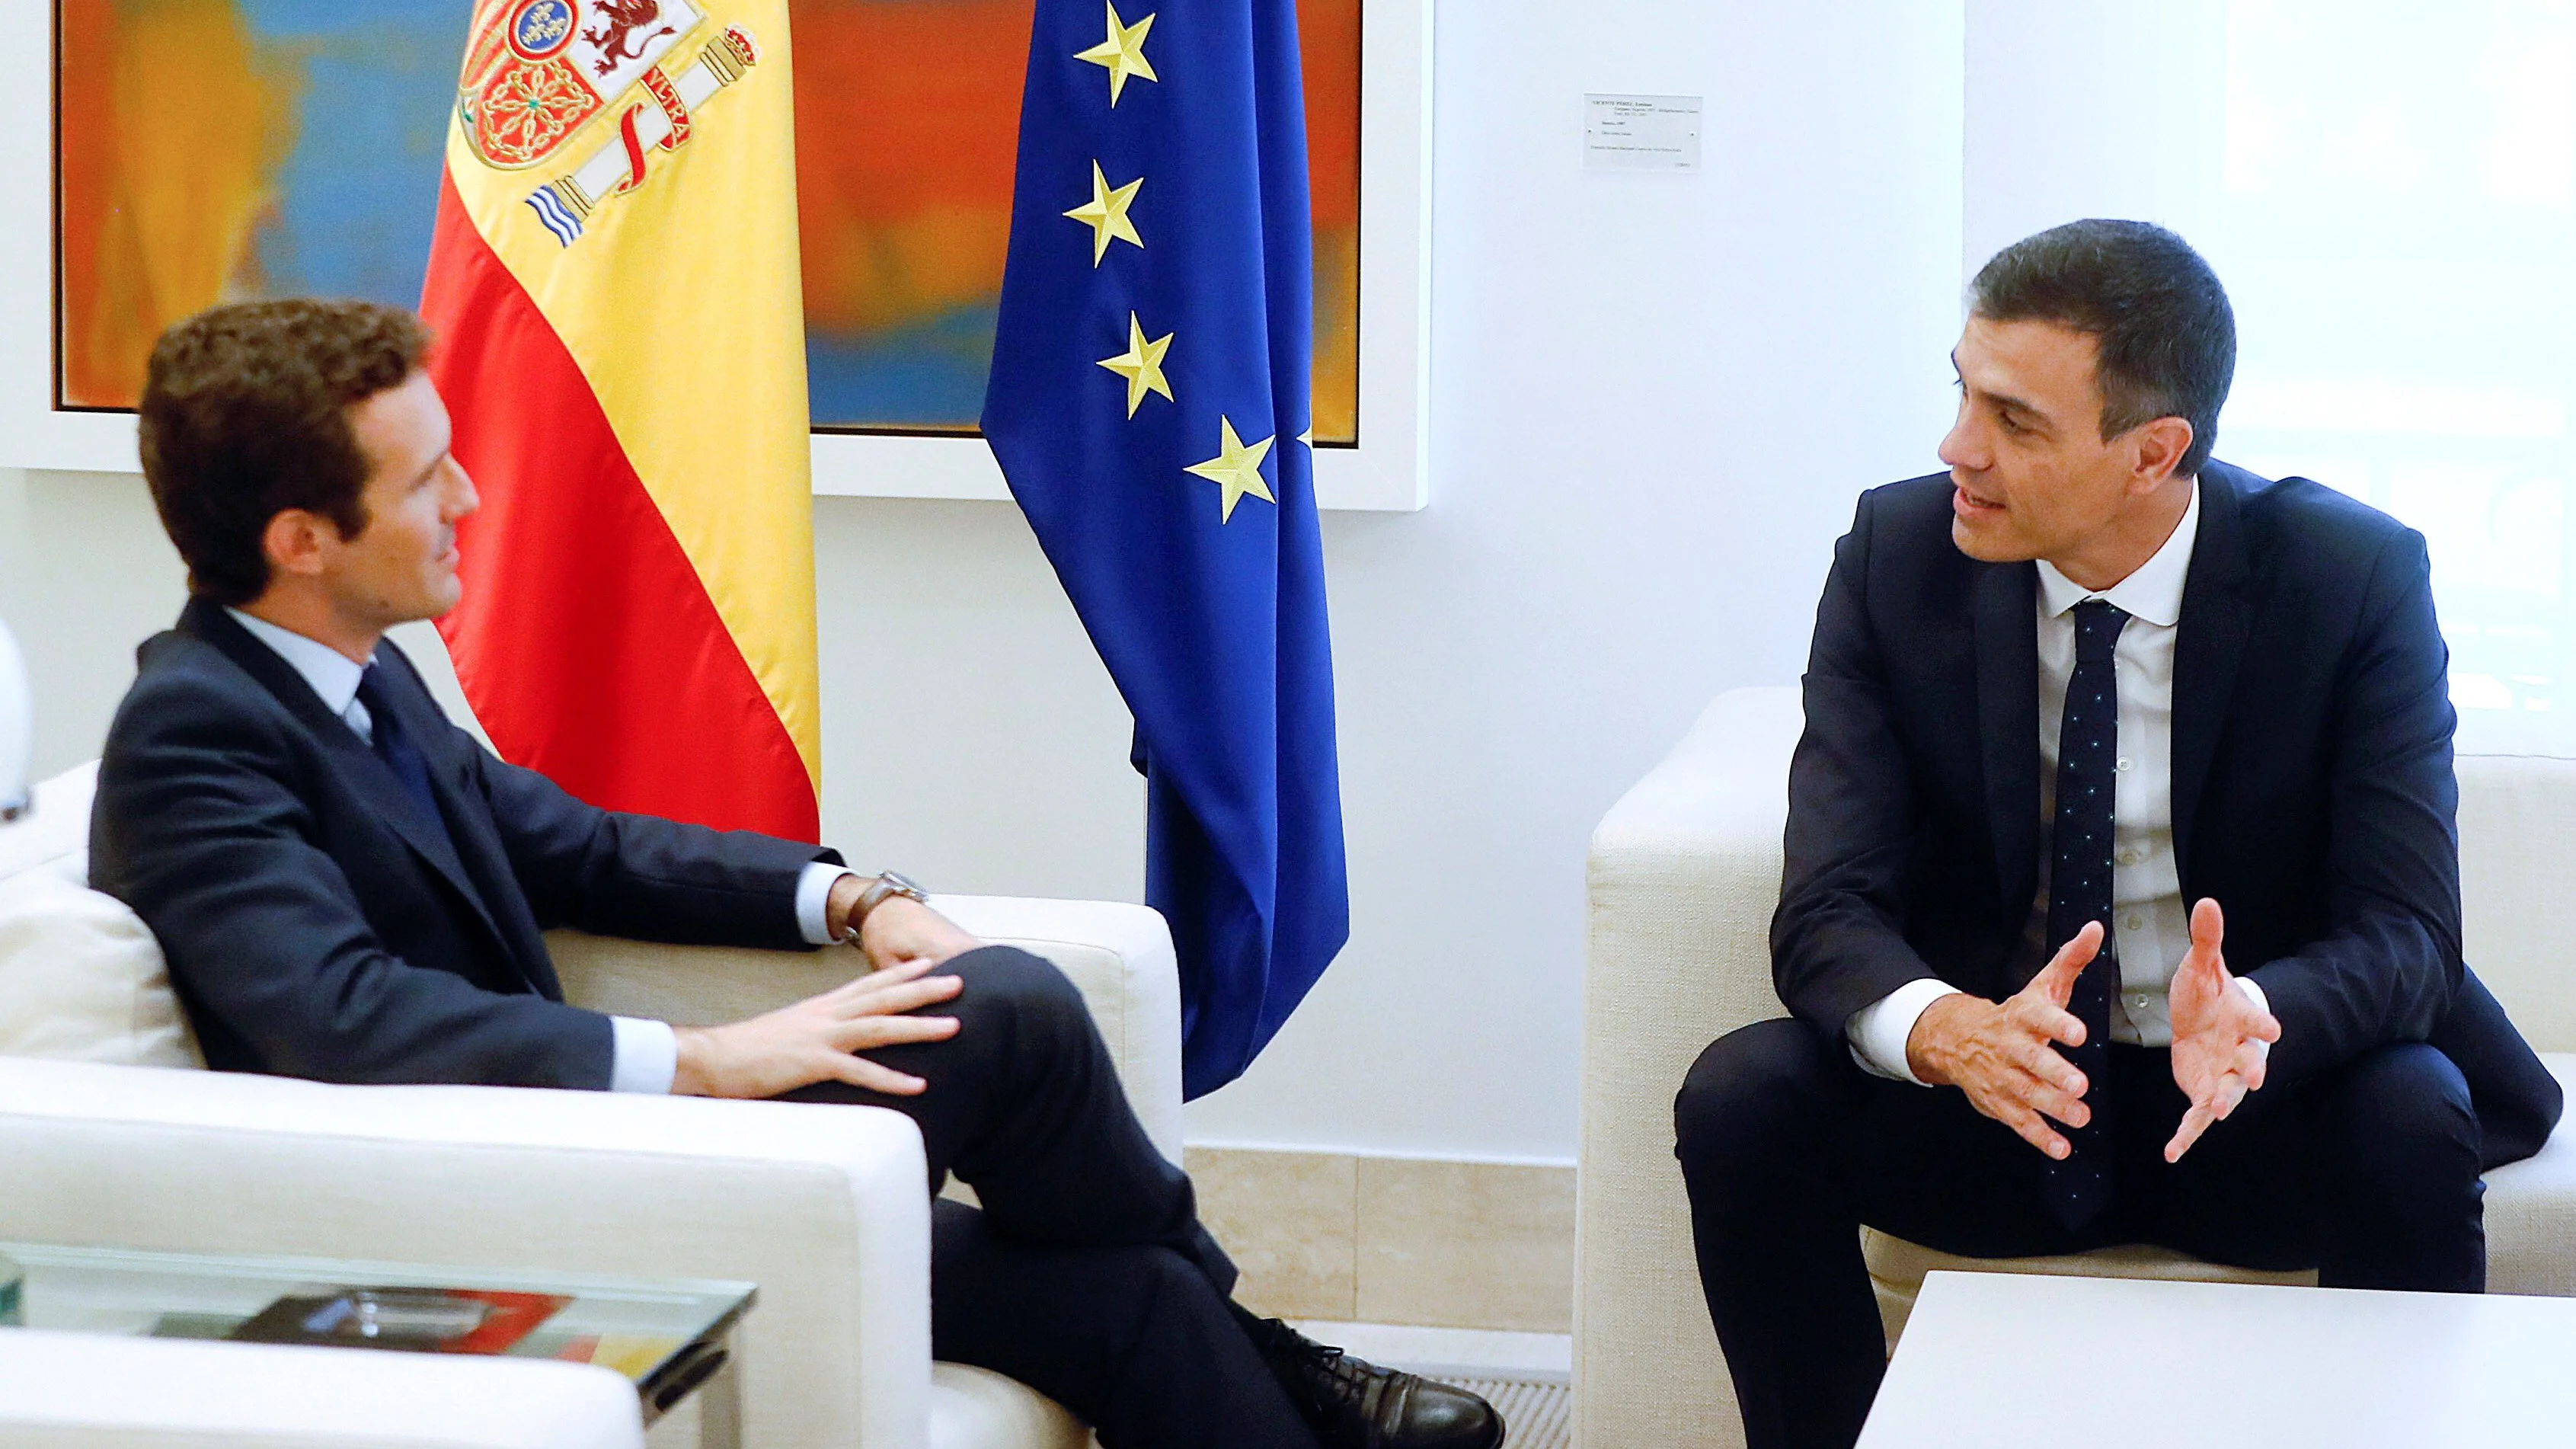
(2004, 1056)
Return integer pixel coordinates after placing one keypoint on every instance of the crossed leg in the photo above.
(1086, 1274)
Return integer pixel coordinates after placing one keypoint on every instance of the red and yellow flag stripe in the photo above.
(625, 366)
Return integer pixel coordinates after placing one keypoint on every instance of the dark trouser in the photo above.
(1086, 1274)
(2368, 1173)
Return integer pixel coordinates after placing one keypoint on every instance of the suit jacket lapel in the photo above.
(2216, 617)
(469, 827)
(2007, 624)
(356, 762)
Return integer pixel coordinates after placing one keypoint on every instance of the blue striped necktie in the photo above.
(2079, 890)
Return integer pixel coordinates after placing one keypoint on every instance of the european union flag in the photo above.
(1149, 404)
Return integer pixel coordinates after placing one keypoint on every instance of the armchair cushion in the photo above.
(82, 979)
(55, 834)
(972, 1408)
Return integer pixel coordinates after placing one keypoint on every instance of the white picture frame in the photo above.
(1388, 471)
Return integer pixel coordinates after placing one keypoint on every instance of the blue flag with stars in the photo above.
(1149, 404)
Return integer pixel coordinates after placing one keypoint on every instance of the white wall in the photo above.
(1654, 398)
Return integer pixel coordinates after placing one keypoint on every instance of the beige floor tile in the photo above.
(1287, 1219)
(1466, 1245)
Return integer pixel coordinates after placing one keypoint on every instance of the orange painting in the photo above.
(907, 126)
(221, 149)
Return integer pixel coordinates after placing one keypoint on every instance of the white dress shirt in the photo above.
(646, 1053)
(2150, 927)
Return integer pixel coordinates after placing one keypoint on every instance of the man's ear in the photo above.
(2157, 447)
(293, 541)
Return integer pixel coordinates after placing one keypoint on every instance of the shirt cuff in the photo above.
(647, 1055)
(2262, 1004)
(1877, 1032)
(813, 897)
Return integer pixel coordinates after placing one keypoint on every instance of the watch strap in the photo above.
(887, 885)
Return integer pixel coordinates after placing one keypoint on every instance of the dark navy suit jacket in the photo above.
(2313, 795)
(317, 926)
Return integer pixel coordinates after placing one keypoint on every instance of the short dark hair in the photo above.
(2164, 335)
(245, 414)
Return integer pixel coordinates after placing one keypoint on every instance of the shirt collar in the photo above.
(2152, 592)
(332, 674)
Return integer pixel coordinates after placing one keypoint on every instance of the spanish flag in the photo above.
(613, 289)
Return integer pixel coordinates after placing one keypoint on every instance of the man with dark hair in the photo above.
(349, 888)
(2065, 703)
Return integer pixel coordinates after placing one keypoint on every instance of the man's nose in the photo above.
(1961, 448)
(461, 497)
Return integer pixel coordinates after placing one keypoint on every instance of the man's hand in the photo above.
(2001, 1055)
(813, 1040)
(901, 930)
(896, 929)
(2221, 1040)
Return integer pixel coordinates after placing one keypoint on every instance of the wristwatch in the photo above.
(887, 884)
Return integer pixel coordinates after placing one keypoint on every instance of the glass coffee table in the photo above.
(668, 1336)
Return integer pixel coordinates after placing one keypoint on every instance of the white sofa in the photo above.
(821, 1206)
(1683, 875)
(92, 1391)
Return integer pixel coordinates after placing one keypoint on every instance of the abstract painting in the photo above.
(214, 150)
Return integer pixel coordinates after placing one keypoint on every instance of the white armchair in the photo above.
(821, 1206)
(1684, 873)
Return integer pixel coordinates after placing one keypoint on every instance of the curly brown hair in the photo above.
(246, 414)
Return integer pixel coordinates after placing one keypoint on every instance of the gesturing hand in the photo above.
(2001, 1055)
(2221, 1039)
(814, 1040)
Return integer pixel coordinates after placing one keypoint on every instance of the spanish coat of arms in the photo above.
(537, 72)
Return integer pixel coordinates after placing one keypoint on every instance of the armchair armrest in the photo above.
(1119, 955)
(821, 1206)
(1683, 877)
(72, 1390)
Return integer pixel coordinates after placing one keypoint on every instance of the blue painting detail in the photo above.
(924, 376)
(356, 197)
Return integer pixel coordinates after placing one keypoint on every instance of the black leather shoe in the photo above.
(1353, 1404)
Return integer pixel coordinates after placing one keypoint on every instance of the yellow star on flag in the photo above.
(1236, 468)
(1141, 364)
(1122, 54)
(1106, 213)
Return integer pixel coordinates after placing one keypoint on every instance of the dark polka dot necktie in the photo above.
(2079, 890)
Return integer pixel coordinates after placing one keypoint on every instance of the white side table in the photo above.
(1996, 1361)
